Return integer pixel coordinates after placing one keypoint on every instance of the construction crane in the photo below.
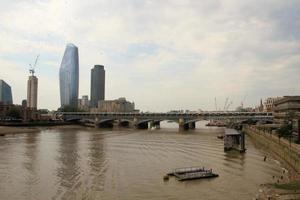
(242, 102)
(32, 68)
(216, 106)
(226, 101)
(227, 107)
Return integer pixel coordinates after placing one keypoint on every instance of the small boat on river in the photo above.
(190, 173)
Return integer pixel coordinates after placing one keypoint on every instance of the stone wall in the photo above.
(282, 148)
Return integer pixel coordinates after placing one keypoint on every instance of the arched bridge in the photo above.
(141, 120)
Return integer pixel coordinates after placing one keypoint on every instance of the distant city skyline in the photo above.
(163, 55)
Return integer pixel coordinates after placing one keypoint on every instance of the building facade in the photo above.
(97, 85)
(288, 108)
(69, 77)
(5, 93)
(118, 105)
(32, 92)
(84, 103)
(269, 104)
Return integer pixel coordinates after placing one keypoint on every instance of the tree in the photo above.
(14, 112)
(286, 130)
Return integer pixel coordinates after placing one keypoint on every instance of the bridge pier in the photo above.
(192, 125)
(182, 125)
(155, 124)
(96, 122)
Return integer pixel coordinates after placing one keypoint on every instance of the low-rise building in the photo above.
(287, 108)
(269, 103)
(84, 103)
(117, 105)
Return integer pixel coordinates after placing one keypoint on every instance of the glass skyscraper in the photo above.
(97, 85)
(69, 77)
(5, 93)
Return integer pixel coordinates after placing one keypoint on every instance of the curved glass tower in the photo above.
(69, 77)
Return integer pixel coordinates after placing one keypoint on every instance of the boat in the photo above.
(196, 175)
(186, 170)
(190, 173)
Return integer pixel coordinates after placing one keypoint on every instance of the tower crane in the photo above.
(227, 107)
(216, 106)
(32, 68)
(242, 103)
(226, 101)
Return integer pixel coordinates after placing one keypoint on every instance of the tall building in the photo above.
(97, 85)
(69, 77)
(5, 93)
(32, 91)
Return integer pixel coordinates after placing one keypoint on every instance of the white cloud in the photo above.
(161, 54)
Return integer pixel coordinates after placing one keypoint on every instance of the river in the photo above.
(88, 163)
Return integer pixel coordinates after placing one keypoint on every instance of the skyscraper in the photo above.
(5, 93)
(32, 90)
(69, 77)
(97, 84)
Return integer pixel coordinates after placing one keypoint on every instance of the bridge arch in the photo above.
(105, 123)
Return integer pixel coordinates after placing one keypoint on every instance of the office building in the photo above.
(97, 85)
(69, 77)
(5, 93)
(288, 108)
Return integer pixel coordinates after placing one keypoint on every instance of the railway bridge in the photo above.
(144, 120)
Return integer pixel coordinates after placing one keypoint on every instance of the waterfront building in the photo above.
(32, 91)
(117, 105)
(269, 103)
(84, 103)
(97, 85)
(5, 93)
(286, 108)
(69, 77)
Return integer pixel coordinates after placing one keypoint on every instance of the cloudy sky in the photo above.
(161, 54)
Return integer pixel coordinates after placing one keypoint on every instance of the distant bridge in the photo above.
(143, 120)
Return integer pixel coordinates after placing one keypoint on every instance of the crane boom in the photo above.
(216, 106)
(229, 105)
(226, 101)
(32, 68)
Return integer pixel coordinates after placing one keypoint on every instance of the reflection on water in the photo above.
(125, 164)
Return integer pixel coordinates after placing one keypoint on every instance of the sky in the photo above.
(161, 54)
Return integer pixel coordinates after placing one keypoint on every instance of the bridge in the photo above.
(144, 120)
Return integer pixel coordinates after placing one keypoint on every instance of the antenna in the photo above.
(32, 68)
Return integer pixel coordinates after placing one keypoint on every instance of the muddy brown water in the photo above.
(88, 163)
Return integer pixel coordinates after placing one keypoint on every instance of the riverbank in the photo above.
(286, 186)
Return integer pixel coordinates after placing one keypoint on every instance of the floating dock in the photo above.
(190, 173)
(234, 140)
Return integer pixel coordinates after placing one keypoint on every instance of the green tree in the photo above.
(14, 112)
